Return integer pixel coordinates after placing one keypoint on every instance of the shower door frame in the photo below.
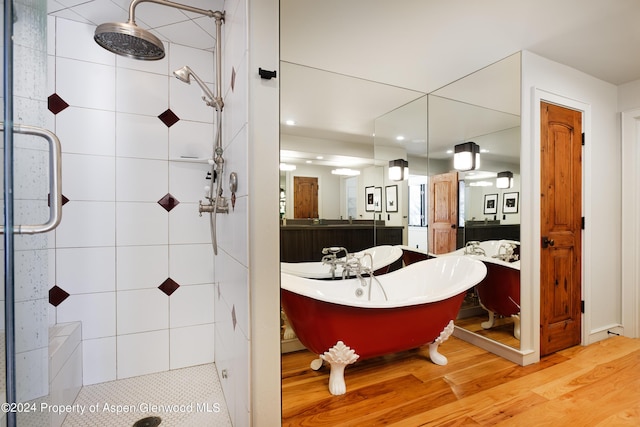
(33, 345)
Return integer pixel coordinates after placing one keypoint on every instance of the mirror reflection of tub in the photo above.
(336, 261)
(492, 307)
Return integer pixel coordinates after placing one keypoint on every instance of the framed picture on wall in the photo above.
(377, 199)
(490, 204)
(510, 202)
(391, 198)
(368, 199)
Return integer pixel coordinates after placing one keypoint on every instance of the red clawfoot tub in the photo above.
(345, 320)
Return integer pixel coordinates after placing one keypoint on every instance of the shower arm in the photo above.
(210, 13)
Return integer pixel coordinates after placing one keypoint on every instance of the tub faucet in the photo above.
(331, 258)
(353, 266)
(473, 248)
(506, 252)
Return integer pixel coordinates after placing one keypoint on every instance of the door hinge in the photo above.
(582, 225)
(582, 306)
(582, 138)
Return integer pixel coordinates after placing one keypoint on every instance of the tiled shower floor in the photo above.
(187, 397)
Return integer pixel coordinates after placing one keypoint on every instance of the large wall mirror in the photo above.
(328, 168)
(334, 185)
(484, 108)
(336, 188)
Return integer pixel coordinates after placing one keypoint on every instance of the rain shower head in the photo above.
(127, 39)
(185, 73)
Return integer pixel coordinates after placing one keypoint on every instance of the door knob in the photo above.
(546, 242)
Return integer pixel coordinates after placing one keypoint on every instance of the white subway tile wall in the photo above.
(117, 244)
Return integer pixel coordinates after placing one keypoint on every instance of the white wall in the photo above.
(629, 96)
(601, 193)
(263, 228)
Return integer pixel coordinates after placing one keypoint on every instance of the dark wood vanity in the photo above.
(303, 240)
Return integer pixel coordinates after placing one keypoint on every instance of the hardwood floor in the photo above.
(597, 385)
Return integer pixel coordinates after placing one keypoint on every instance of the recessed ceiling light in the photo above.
(290, 122)
(308, 161)
(399, 138)
(449, 151)
(319, 157)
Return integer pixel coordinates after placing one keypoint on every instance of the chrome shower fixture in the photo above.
(185, 73)
(127, 39)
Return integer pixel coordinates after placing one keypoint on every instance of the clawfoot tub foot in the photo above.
(489, 323)
(339, 356)
(316, 364)
(436, 357)
(288, 333)
(516, 325)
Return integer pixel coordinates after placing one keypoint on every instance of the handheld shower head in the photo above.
(185, 73)
(127, 39)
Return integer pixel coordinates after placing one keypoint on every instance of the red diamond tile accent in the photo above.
(168, 202)
(55, 104)
(169, 118)
(57, 295)
(64, 200)
(168, 286)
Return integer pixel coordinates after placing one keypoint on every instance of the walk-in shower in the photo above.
(127, 39)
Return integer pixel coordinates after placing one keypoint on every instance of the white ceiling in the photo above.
(347, 62)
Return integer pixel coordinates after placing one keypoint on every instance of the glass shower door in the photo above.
(26, 168)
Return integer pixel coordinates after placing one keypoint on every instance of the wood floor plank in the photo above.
(586, 386)
(625, 418)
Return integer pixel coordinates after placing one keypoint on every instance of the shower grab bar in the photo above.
(55, 180)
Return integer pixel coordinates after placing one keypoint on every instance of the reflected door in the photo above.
(305, 197)
(561, 228)
(443, 212)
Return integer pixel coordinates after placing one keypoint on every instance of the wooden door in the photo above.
(305, 197)
(443, 212)
(560, 228)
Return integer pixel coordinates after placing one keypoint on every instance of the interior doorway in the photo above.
(443, 212)
(560, 227)
(305, 197)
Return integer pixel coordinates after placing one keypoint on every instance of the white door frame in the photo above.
(630, 135)
(531, 281)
